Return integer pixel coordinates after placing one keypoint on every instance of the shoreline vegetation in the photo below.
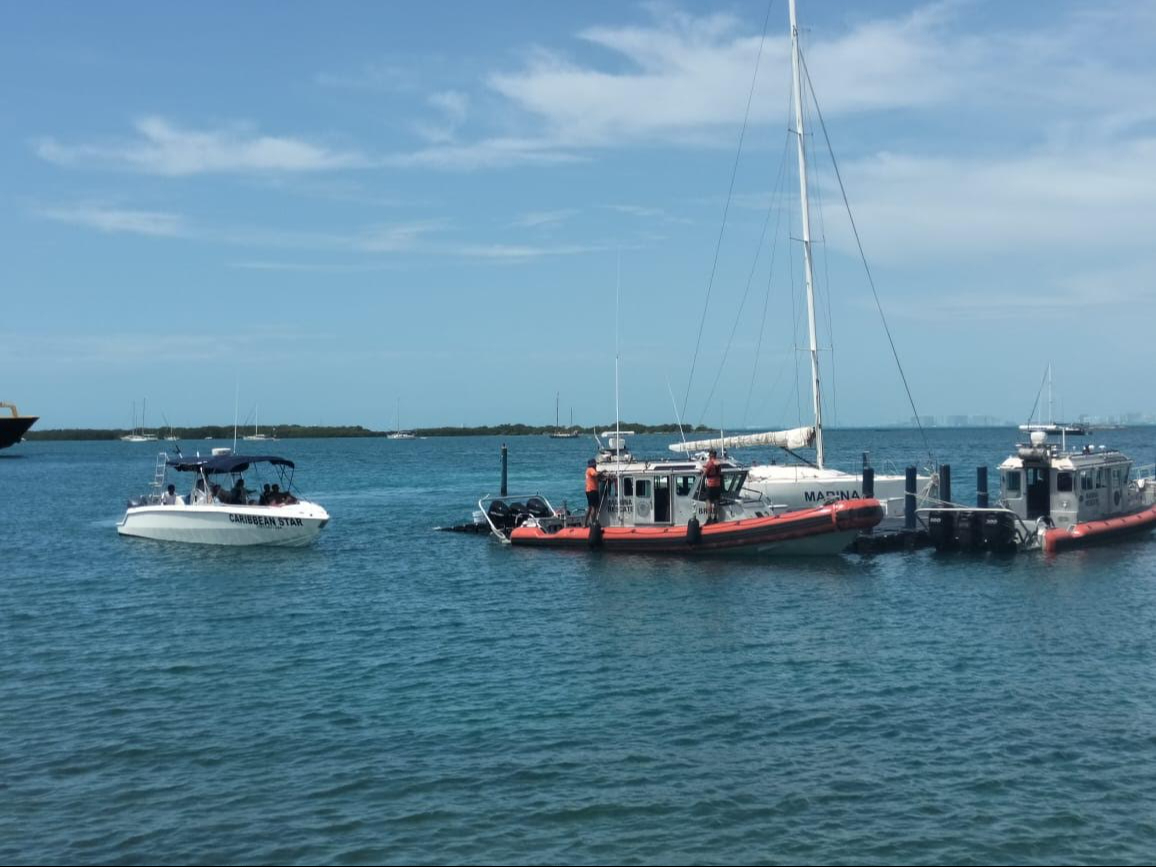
(295, 431)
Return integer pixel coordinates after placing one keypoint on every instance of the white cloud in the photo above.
(950, 208)
(492, 153)
(121, 220)
(542, 219)
(519, 252)
(385, 77)
(452, 107)
(394, 238)
(163, 148)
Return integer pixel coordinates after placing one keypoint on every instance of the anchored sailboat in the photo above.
(256, 434)
(558, 433)
(803, 485)
(137, 434)
(400, 434)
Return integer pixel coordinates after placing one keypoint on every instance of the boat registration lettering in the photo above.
(264, 520)
(823, 496)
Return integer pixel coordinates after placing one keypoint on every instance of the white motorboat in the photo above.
(209, 514)
(805, 484)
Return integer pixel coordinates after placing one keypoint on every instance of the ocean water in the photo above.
(399, 695)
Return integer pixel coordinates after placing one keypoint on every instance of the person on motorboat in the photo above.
(201, 496)
(592, 500)
(713, 474)
(266, 493)
(171, 498)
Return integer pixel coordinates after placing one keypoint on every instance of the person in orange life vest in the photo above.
(713, 473)
(593, 477)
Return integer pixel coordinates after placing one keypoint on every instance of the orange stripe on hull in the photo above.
(1099, 531)
(841, 517)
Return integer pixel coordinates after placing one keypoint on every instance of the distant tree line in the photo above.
(298, 431)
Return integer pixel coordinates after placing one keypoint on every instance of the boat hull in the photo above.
(822, 531)
(12, 430)
(282, 526)
(1097, 532)
(792, 488)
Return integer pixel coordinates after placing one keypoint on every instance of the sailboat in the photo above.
(804, 485)
(137, 434)
(558, 433)
(400, 434)
(1052, 426)
(256, 434)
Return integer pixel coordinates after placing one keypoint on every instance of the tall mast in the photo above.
(1051, 409)
(798, 89)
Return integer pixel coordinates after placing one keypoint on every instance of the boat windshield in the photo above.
(732, 483)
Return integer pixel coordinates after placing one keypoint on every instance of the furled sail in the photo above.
(796, 438)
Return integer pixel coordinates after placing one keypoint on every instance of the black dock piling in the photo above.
(909, 500)
(505, 465)
(868, 487)
(945, 482)
(981, 499)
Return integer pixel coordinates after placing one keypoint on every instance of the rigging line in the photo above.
(794, 329)
(770, 276)
(742, 302)
(726, 208)
(1043, 382)
(824, 289)
(863, 257)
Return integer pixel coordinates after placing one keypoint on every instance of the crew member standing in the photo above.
(713, 473)
(592, 478)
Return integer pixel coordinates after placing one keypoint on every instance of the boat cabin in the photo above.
(667, 493)
(1065, 488)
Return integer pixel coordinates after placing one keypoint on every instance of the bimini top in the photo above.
(225, 463)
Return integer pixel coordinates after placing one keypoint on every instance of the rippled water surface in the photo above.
(398, 695)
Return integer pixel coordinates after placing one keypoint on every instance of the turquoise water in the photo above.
(398, 695)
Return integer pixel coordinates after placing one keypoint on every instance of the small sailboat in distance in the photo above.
(256, 434)
(137, 434)
(400, 434)
(558, 433)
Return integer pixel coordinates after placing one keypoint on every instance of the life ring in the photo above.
(642, 508)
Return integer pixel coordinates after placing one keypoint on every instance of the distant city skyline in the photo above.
(331, 210)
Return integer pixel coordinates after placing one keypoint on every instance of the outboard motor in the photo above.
(501, 515)
(537, 507)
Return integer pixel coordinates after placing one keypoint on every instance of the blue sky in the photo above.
(340, 207)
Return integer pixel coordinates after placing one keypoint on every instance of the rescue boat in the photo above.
(1053, 498)
(1089, 532)
(661, 507)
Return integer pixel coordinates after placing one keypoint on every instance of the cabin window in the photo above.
(642, 488)
(1085, 480)
(732, 482)
(628, 487)
(1064, 483)
(1012, 483)
(1101, 480)
(684, 485)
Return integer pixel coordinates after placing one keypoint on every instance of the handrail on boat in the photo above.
(492, 497)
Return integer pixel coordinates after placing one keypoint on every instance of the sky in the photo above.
(337, 211)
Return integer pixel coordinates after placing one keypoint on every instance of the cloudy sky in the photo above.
(334, 208)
